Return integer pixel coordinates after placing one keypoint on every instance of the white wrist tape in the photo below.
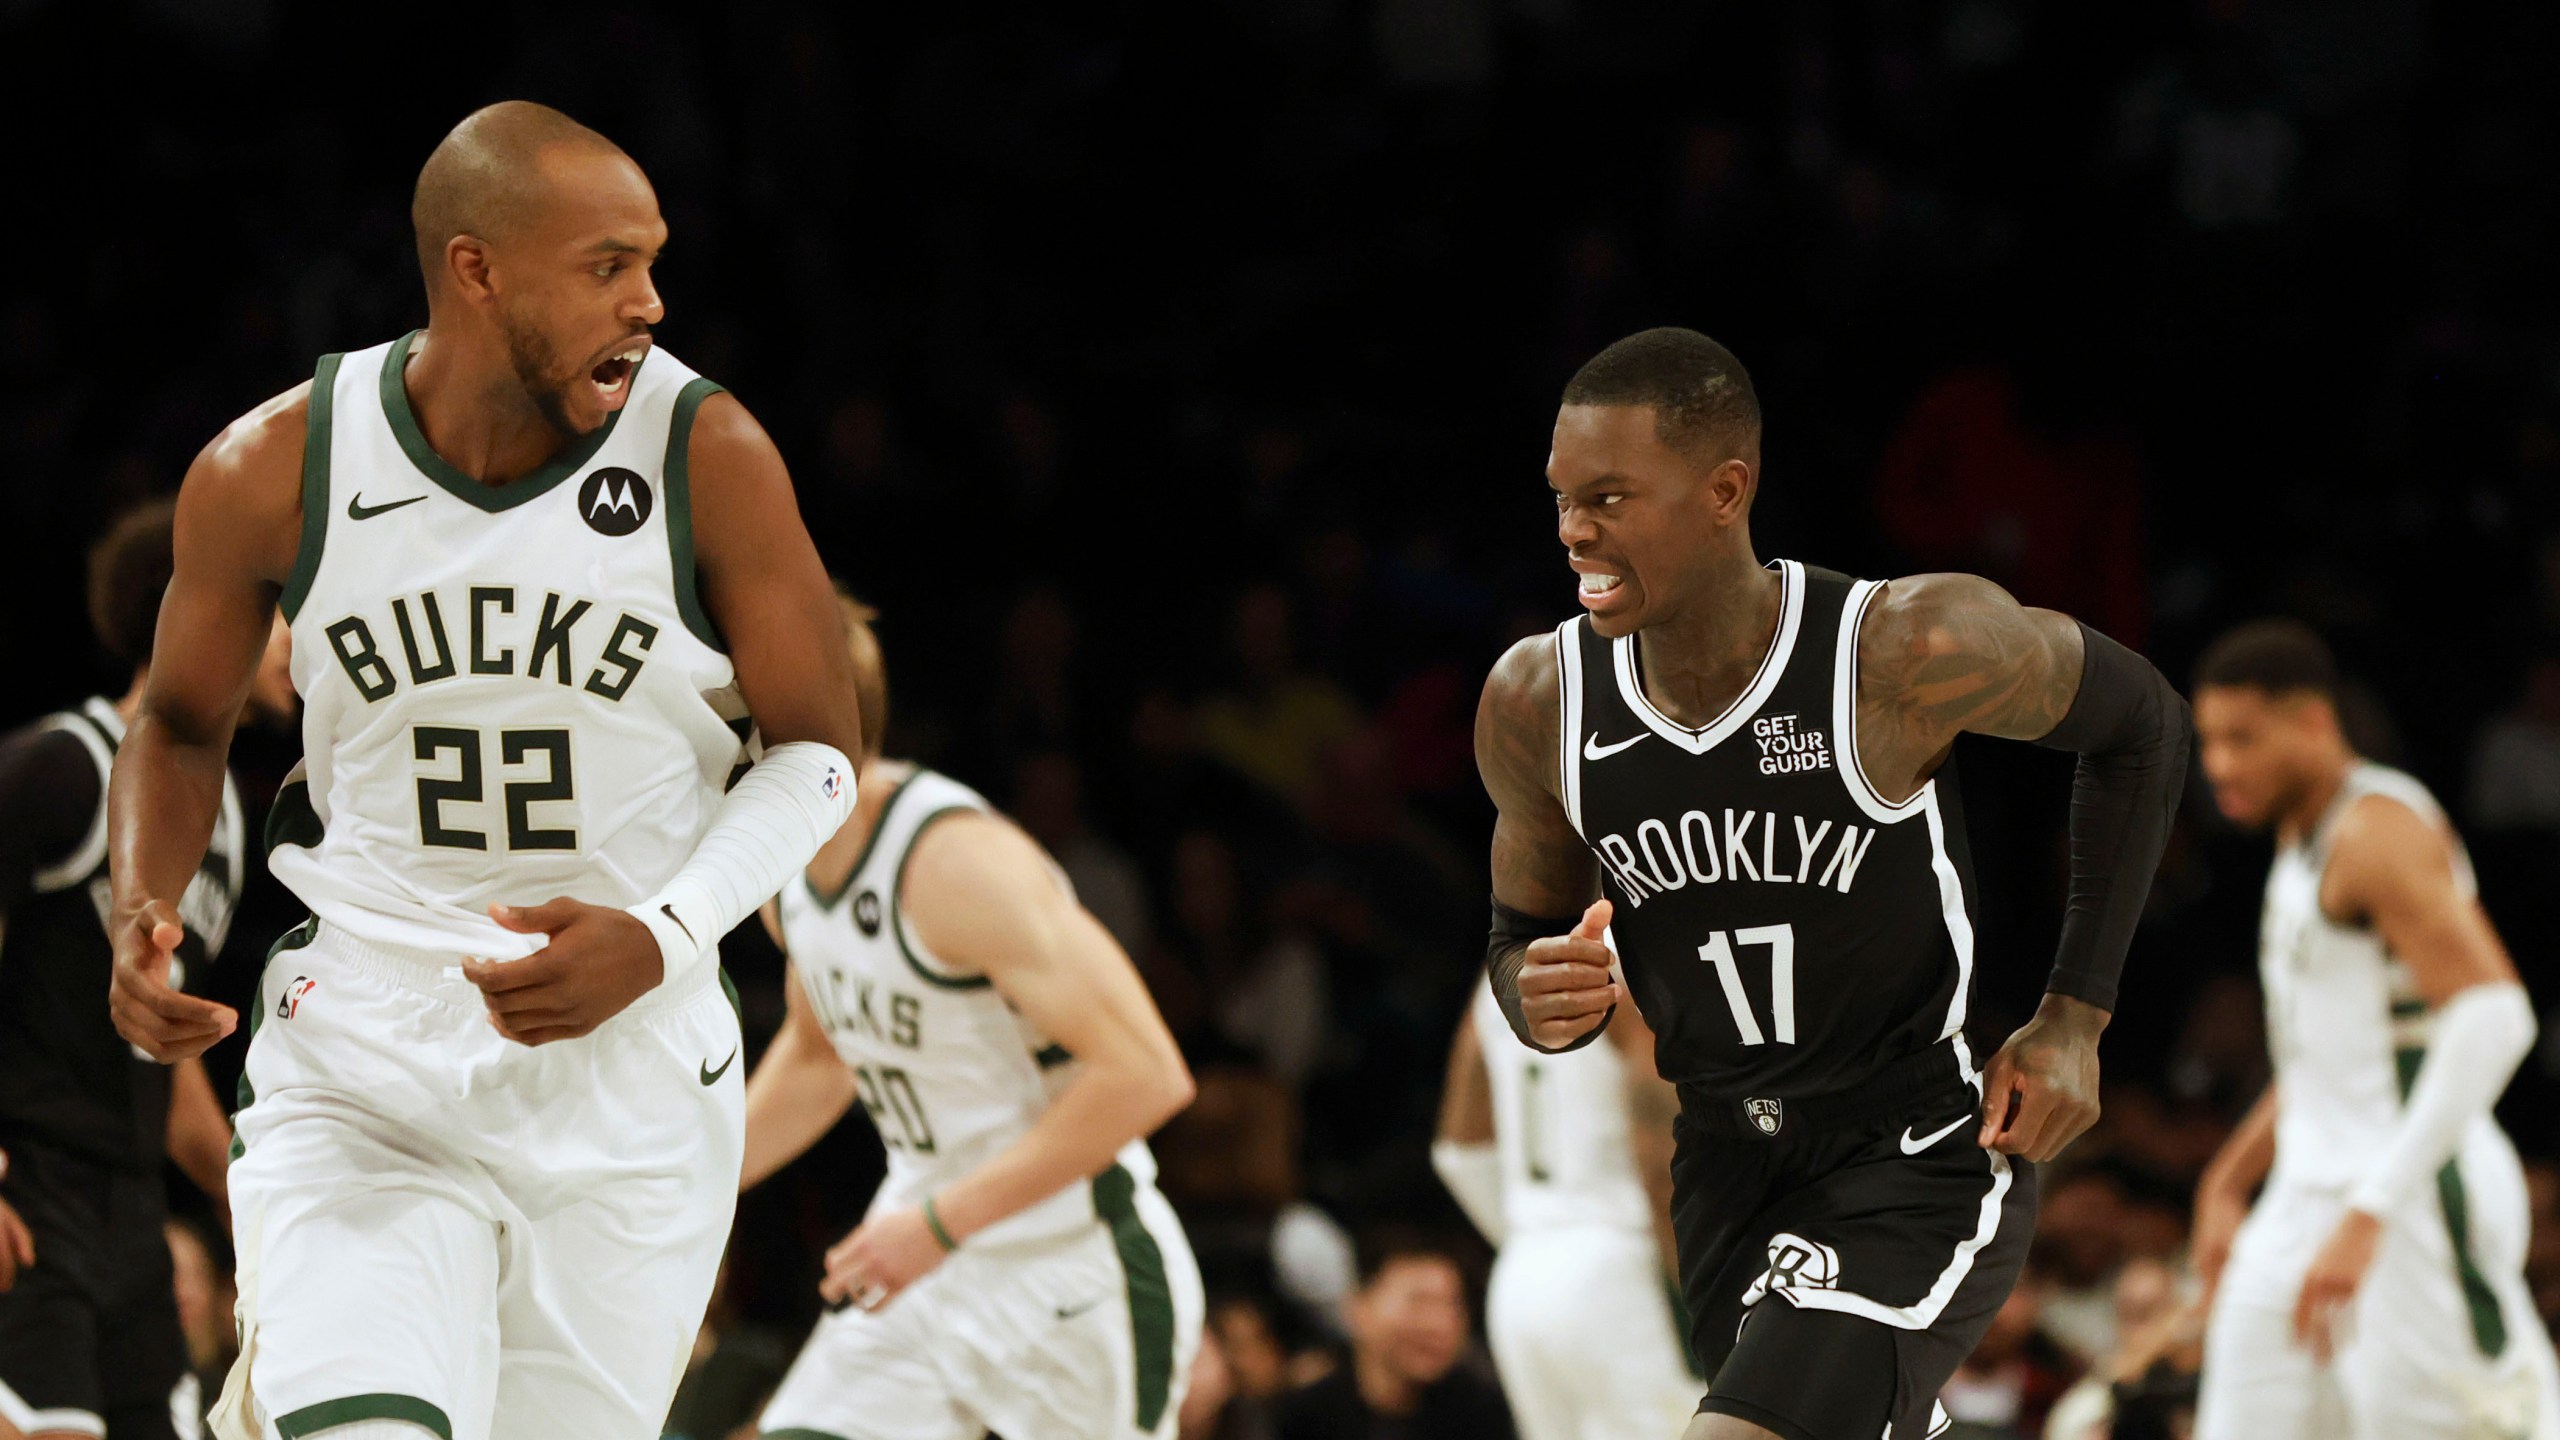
(765, 831)
(2479, 1038)
(1473, 1174)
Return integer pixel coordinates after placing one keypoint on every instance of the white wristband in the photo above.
(767, 827)
(2480, 1036)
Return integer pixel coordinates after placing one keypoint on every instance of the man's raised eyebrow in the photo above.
(611, 245)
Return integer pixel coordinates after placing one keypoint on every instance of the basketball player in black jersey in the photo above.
(1749, 766)
(89, 1337)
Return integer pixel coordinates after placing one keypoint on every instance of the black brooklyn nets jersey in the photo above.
(67, 1079)
(1783, 929)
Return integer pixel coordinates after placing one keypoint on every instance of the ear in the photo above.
(1730, 488)
(466, 262)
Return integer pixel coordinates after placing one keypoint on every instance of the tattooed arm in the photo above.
(1943, 655)
(1554, 987)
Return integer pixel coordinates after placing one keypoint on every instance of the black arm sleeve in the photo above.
(48, 794)
(2130, 728)
(1504, 954)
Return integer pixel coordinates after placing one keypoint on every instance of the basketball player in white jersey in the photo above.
(1017, 1271)
(1564, 1162)
(2381, 1272)
(532, 565)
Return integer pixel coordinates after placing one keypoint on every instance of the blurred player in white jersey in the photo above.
(1017, 1271)
(2380, 1275)
(1564, 1162)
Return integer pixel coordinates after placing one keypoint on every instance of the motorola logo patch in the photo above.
(615, 501)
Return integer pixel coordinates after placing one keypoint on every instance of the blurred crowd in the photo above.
(1175, 380)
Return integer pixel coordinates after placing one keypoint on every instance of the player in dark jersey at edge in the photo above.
(89, 1334)
(1749, 765)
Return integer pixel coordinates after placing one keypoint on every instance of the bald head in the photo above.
(489, 179)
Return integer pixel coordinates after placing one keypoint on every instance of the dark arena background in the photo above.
(1176, 381)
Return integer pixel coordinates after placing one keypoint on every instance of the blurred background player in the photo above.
(2382, 1269)
(537, 571)
(1017, 1271)
(90, 1341)
(1564, 1162)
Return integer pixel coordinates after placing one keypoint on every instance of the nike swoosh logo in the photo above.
(1067, 1314)
(709, 1075)
(667, 910)
(1914, 1147)
(1592, 749)
(358, 510)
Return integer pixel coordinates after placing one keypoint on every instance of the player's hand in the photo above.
(1564, 981)
(2335, 1275)
(2218, 1217)
(598, 961)
(17, 1246)
(884, 1255)
(2041, 1091)
(165, 1023)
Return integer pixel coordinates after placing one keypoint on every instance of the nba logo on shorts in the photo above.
(1768, 1115)
(833, 785)
(292, 1000)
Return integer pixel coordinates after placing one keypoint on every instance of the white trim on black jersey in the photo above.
(1923, 1313)
(1844, 717)
(92, 849)
(1569, 727)
(1698, 740)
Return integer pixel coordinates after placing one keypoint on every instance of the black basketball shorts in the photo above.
(1863, 1231)
(89, 1336)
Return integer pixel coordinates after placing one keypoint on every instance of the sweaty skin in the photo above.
(572, 279)
(1938, 656)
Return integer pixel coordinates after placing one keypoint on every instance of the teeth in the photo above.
(632, 355)
(1599, 584)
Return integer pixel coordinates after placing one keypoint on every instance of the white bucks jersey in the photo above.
(950, 1073)
(511, 692)
(2345, 1023)
(1560, 1126)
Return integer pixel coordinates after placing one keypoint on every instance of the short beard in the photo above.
(535, 362)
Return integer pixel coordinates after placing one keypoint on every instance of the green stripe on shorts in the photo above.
(1115, 1201)
(329, 1414)
(247, 1095)
(2488, 1323)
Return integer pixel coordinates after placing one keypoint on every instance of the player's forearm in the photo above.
(162, 801)
(795, 1096)
(2129, 727)
(2248, 1155)
(199, 1135)
(767, 827)
(1115, 1100)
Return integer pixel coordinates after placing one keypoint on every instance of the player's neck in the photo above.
(473, 410)
(2327, 780)
(1698, 661)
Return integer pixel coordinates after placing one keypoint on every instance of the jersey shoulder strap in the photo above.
(98, 729)
(926, 798)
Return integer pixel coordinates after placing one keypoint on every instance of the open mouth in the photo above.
(612, 377)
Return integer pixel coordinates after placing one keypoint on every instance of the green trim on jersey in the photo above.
(678, 478)
(292, 819)
(491, 498)
(330, 1414)
(1115, 1202)
(870, 843)
(247, 1095)
(897, 893)
(2488, 1323)
(315, 486)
